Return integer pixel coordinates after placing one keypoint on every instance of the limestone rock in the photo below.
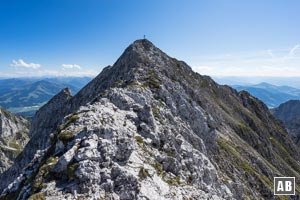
(149, 127)
(13, 137)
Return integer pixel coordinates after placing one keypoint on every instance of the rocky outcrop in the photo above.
(149, 127)
(13, 137)
(44, 122)
(289, 114)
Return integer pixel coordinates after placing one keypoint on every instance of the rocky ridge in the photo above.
(14, 131)
(289, 114)
(149, 127)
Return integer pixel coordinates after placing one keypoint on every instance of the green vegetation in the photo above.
(65, 136)
(152, 81)
(240, 163)
(13, 147)
(285, 155)
(8, 115)
(160, 172)
(72, 118)
(172, 181)
(71, 170)
(14, 144)
(133, 83)
(158, 167)
(170, 153)
(187, 198)
(117, 83)
(143, 173)
(139, 139)
(204, 84)
(38, 196)
(155, 111)
(244, 128)
(37, 179)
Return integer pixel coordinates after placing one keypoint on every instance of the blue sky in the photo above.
(215, 37)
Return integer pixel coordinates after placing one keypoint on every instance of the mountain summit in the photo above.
(149, 127)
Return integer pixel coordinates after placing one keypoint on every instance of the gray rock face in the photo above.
(289, 114)
(44, 122)
(13, 137)
(149, 127)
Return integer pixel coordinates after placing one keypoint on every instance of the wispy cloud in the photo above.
(22, 63)
(48, 72)
(270, 52)
(271, 62)
(292, 51)
(70, 66)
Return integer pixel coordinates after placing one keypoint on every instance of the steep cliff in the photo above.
(149, 127)
(13, 137)
(289, 114)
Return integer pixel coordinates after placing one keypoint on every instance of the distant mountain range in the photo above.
(26, 95)
(252, 80)
(271, 95)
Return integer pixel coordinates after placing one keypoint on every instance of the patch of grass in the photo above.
(170, 153)
(15, 145)
(240, 163)
(65, 136)
(37, 180)
(244, 128)
(173, 181)
(204, 84)
(71, 170)
(38, 196)
(133, 84)
(158, 168)
(117, 83)
(152, 81)
(285, 154)
(155, 112)
(143, 173)
(72, 118)
(139, 139)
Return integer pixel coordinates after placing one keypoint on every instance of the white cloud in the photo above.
(47, 72)
(272, 62)
(70, 66)
(292, 51)
(270, 52)
(22, 63)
